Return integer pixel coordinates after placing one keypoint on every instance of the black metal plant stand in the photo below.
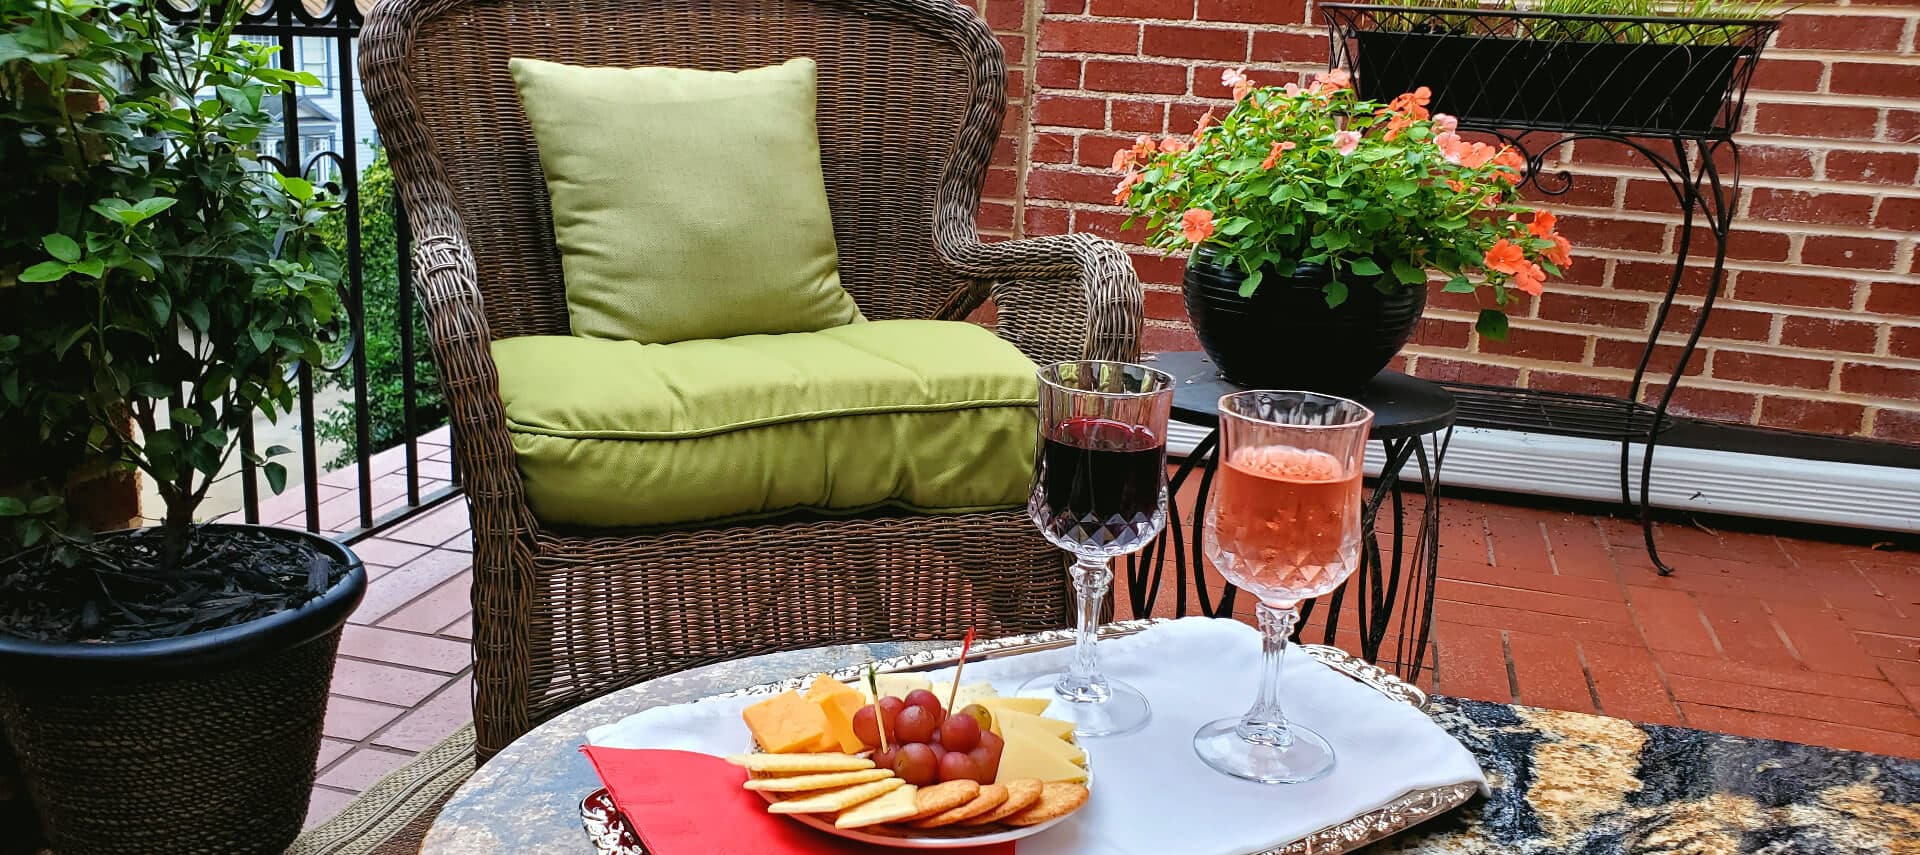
(1670, 89)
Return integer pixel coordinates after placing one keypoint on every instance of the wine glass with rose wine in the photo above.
(1099, 491)
(1284, 526)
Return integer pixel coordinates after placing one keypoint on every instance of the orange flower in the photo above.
(1506, 257)
(1514, 166)
(1196, 225)
(1412, 104)
(1400, 122)
(1447, 124)
(1562, 252)
(1542, 224)
(1170, 145)
(1144, 148)
(1332, 81)
(1531, 279)
(1123, 160)
(1125, 188)
(1204, 122)
(1273, 156)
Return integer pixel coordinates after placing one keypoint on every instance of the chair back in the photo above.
(911, 94)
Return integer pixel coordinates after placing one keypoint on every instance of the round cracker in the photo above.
(991, 796)
(1056, 801)
(944, 796)
(1021, 794)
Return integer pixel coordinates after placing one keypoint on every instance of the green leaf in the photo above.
(262, 339)
(1336, 292)
(298, 188)
(1235, 225)
(184, 416)
(1458, 285)
(43, 504)
(1363, 267)
(9, 342)
(61, 247)
(197, 317)
(1407, 272)
(92, 267)
(276, 477)
(45, 271)
(149, 207)
(1401, 188)
(1252, 281)
(277, 450)
(12, 507)
(1336, 240)
(1492, 324)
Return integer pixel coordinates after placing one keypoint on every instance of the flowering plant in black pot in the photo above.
(162, 688)
(1315, 220)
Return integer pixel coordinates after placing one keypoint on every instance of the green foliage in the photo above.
(156, 279)
(1380, 194)
(380, 271)
(1658, 21)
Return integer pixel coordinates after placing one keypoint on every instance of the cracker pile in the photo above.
(858, 795)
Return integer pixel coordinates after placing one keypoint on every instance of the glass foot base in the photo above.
(1305, 758)
(1120, 709)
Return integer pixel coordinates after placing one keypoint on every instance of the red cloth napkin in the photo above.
(686, 803)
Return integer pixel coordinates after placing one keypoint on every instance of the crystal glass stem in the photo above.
(1266, 723)
(1091, 578)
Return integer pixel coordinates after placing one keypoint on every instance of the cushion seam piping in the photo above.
(517, 426)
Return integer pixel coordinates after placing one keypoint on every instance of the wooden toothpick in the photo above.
(954, 691)
(879, 717)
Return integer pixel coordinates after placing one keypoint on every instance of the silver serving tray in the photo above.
(610, 834)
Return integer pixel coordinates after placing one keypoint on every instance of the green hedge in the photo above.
(380, 276)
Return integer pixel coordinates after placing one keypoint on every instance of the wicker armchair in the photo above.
(911, 96)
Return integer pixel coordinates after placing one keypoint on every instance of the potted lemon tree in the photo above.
(162, 688)
(1316, 221)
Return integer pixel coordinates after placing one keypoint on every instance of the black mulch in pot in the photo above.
(117, 591)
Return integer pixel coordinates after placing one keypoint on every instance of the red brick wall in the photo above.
(1818, 328)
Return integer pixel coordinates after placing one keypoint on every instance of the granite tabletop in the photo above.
(1563, 783)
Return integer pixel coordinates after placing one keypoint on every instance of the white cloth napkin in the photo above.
(1151, 794)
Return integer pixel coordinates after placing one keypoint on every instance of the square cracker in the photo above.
(893, 806)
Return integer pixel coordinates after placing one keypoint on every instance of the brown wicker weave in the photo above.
(911, 95)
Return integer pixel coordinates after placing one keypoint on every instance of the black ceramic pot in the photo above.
(1285, 336)
(204, 743)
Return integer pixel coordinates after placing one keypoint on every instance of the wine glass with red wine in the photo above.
(1099, 490)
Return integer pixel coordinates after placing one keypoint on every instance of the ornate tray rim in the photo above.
(610, 834)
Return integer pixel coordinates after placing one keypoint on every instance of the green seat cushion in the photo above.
(686, 204)
(928, 415)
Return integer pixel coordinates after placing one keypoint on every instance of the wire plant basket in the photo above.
(1632, 75)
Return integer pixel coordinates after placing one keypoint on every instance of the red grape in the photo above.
(939, 750)
(958, 765)
(883, 758)
(960, 732)
(914, 724)
(866, 726)
(914, 764)
(987, 753)
(985, 764)
(928, 701)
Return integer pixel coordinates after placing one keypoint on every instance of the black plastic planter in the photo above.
(1649, 88)
(204, 743)
(1285, 336)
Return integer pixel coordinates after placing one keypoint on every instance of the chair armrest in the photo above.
(457, 333)
(1061, 297)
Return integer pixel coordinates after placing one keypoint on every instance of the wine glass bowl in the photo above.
(1099, 490)
(1284, 526)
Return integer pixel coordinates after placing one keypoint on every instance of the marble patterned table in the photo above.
(1563, 783)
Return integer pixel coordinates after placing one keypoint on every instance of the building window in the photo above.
(316, 58)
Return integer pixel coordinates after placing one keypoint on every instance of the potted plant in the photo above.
(1315, 219)
(162, 688)
(1636, 66)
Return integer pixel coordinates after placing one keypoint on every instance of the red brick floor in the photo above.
(1756, 634)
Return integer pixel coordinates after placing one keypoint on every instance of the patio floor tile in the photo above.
(359, 770)
(448, 656)
(354, 719)
(388, 684)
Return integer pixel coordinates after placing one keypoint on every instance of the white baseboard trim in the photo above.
(1884, 498)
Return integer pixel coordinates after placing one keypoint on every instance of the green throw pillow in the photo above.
(686, 204)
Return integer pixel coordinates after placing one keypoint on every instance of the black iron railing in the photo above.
(360, 433)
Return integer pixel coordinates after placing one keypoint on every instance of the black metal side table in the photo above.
(1394, 585)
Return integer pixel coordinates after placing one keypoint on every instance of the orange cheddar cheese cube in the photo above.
(840, 707)
(825, 685)
(788, 723)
